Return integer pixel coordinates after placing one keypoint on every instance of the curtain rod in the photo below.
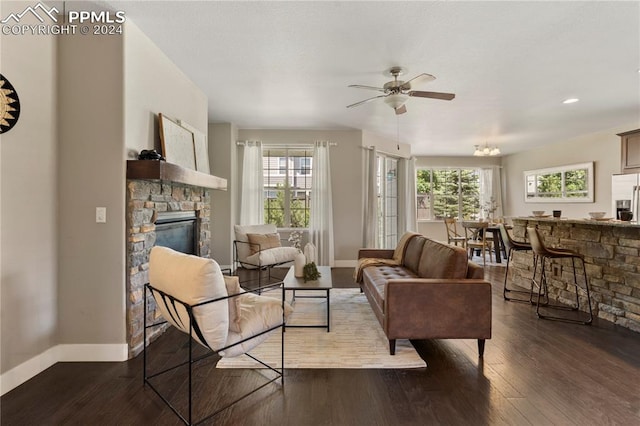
(243, 143)
(391, 154)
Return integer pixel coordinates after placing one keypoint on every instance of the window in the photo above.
(448, 193)
(387, 202)
(287, 186)
(573, 183)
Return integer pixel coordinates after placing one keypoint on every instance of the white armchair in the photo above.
(192, 294)
(259, 247)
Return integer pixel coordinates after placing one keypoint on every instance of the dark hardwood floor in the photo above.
(534, 372)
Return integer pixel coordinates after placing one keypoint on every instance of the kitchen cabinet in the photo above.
(630, 151)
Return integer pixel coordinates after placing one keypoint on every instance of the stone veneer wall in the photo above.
(145, 199)
(612, 257)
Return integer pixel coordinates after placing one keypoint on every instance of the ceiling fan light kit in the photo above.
(486, 151)
(397, 92)
(396, 100)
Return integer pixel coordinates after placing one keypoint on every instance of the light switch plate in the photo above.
(101, 215)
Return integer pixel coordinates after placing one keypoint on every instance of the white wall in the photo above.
(153, 84)
(603, 148)
(63, 275)
(223, 162)
(92, 173)
(28, 194)
(386, 145)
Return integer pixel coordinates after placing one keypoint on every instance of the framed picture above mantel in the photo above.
(572, 183)
(177, 143)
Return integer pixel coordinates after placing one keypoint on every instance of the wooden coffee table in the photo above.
(322, 284)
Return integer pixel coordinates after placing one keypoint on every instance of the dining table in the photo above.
(498, 244)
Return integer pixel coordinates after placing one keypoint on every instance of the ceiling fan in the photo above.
(396, 92)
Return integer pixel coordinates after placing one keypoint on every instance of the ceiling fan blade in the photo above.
(434, 95)
(365, 101)
(359, 86)
(401, 109)
(421, 78)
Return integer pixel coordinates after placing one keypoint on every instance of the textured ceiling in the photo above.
(283, 65)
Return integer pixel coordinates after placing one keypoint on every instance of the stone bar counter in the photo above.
(611, 250)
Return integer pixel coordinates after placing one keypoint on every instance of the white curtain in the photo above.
(407, 211)
(251, 187)
(321, 220)
(370, 219)
(491, 191)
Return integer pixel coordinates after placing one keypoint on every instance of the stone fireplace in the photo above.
(170, 209)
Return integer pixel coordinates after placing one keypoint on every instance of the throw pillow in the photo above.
(259, 242)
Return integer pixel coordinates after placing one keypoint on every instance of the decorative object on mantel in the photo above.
(311, 272)
(150, 154)
(486, 151)
(201, 147)
(177, 143)
(9, 105)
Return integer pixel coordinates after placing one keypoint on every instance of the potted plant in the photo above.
(311, 272)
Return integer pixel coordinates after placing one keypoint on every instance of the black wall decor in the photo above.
(9, 105)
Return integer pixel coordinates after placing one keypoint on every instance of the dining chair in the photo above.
(476, 239)
(453, 237)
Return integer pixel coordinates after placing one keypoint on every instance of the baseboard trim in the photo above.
(93, 353)
(60, 353)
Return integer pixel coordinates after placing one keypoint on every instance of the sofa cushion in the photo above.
(413, 252)
(440, 260)
(377, 276)
(475, 271)
(272, 256)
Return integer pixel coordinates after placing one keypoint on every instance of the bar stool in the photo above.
(543, 253)
(510, 246)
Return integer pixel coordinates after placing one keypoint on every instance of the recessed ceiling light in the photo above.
(570, 101)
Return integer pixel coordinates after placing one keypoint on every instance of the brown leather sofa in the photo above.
(434, 293)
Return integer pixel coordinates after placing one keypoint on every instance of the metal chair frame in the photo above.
(544, 253)
(187, 418)
(510, 246)
(237, 263)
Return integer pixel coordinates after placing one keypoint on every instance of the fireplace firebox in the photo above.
(178, 231)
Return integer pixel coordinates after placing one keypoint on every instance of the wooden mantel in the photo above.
(161, 170)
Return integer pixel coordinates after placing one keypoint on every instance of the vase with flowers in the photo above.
(295, 238)
(489, 208)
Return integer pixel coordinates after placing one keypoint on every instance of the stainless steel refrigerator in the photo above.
(625, 194)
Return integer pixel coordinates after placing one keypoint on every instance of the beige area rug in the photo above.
(356, 339)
